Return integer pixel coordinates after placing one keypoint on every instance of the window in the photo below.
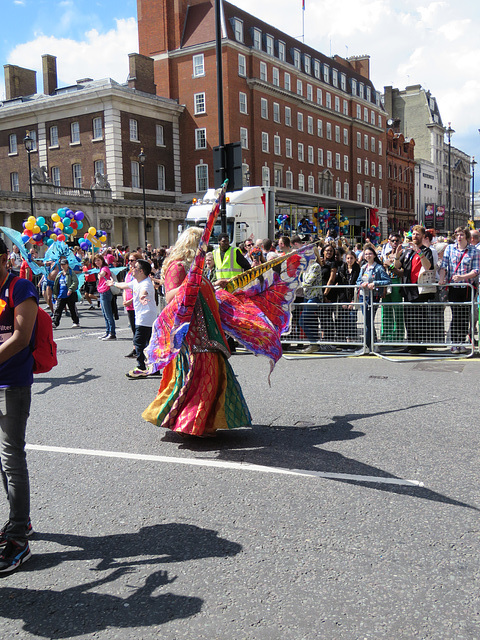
(343, 82)
(55, 175)
(288, 180)
(337, 133)
(238, 29)
(369, 94)
(99, 167)
(275, 77)
(97, 128)
(54, 136)
(365, 142)
(380, 125)
(372, 169)
(301, 182)
(281, 51)
(359, 112)
(200, 138)
(335, 77)
(263, 71)
(346, 191)
(359, 165)
(276, 145)
(77, 175)
(320, 157)
(345, 163)
(300, 121)
(309, 92)
(257, 39)
(361, 90)
(329, 131)
(345, 136)
(75, 132)
(374, 197)
(379, 147)
(365, 167)
(328, 100)
(326, 73)
(337, 104)
(264, 108)
(288, 117)
(380, 171)
(287, 82)
(310, 125)
(320, 128)
(14, 184)
(372, 117)
(242, 65)
(359, 140)
(300, 152)
(354, 87)
(311, 184)
(277, 176)
(329, 159)
(198, 65)
(307, 64)
(310, 154)
(288, 148)
(299, 88)
(159, 135)
(380, 198)
(319, 97)
(276, 112)
(372, 144)
(338, 162)
(161, 177)
(345, 108)
(265, 176)
(264, 142)
(365, 114)
(359, 192)
(338, 189)
(242, 100)
(135, 169)
(316, 69)
(33, 136)
(244, 137)
(296, 59)
(12, 144)
(199, 103)
(201, 177)
(269, 45)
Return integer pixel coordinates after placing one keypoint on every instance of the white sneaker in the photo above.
(75, 326)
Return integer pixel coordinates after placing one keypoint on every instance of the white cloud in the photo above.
(97, 55)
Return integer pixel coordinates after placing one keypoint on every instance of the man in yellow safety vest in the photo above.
(229, 261)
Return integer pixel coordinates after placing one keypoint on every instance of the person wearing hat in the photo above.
(65, 290)
(18, 310)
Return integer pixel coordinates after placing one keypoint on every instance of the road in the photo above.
(276, 532)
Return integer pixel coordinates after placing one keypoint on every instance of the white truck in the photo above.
(246, 212)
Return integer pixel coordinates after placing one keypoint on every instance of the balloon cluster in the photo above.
(328, 221)
(374, 234)
(282, 221)
(66, 224)
(92, 237)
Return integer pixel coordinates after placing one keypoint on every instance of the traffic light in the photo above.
(231, 160)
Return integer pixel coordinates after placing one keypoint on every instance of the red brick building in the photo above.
(401, 181)
(307, 122)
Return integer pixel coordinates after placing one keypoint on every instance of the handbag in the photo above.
(426, 281)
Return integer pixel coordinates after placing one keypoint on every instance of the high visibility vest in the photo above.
(228, 267)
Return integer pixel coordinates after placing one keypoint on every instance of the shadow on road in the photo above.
(299, 447)
(77, 378)
(86, 608)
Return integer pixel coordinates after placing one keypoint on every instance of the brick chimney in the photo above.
(19, 81)
(141, 73)
(49, 69)
(361, 64)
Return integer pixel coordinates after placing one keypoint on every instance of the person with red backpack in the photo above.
(18, 314)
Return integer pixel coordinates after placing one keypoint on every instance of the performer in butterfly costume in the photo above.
(199, 392)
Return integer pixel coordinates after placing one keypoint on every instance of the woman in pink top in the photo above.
(105, 297)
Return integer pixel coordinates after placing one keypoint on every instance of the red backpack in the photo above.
(44, 349)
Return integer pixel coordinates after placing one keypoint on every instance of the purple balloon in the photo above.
(79, 215)
(69, 213)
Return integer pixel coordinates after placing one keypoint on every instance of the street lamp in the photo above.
(29, 146)
(472, 164)
(449, 133)
(141, 158)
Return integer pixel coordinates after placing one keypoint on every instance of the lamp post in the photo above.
(449, 133)
(29, 146)
(472, 164)
(141, 158)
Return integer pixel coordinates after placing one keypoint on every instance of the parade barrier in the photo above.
(441, 323)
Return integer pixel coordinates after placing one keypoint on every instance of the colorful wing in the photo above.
(16, 238)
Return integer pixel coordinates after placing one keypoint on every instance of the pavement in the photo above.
(349, 510)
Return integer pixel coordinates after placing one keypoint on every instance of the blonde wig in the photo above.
(184, 250)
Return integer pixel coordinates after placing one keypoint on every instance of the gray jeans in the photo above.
(14, 411)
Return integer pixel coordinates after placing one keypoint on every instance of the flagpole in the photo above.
(303, 21)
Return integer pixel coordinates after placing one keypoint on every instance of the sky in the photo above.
(431, 43)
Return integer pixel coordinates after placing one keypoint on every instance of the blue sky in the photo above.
(433, 43)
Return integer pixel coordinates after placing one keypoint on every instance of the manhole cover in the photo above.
(445, 367)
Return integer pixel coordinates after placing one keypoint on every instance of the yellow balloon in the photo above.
(53, 236)
(103, 238)
(55, 217)
(29, 225)
(74, 232)
(92, 231)
(36, 229)
(59, 225)
(32, 219)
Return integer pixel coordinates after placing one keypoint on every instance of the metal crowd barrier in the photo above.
(435, 325)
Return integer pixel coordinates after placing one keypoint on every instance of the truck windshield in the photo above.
(217, 228)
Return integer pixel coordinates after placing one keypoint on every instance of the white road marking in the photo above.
(225, 464)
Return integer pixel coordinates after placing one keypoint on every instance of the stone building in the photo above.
(87, 140)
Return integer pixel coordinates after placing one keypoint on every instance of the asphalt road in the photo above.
(140, 534)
